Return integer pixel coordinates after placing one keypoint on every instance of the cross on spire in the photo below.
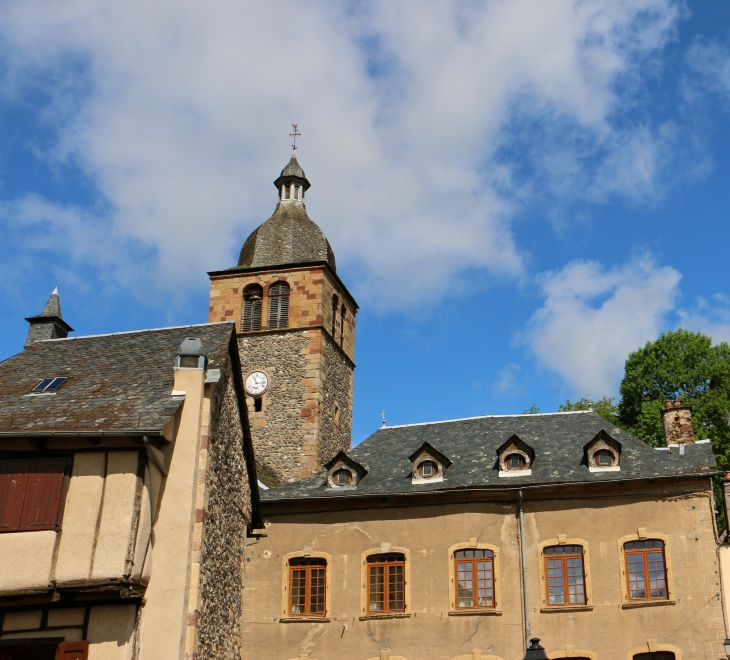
(294, 134)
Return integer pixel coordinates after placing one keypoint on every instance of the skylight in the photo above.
(50, 384)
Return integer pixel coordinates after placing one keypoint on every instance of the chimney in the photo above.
(49, 324)
(677, 420)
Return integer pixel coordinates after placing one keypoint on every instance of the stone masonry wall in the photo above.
(338, 381)
(285, 431)
(222, 515)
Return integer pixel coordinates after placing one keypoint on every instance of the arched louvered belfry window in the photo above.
(335, 305)
(279, 306)
(343, 311)
(253, 296)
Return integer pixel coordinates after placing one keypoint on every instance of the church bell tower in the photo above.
(296, 335)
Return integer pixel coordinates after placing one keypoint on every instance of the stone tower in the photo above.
(296, 325)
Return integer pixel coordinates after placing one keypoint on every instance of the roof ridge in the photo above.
(466, 419)
(131, 332)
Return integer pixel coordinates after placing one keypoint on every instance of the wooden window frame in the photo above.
(645, 535)
(563, 557)
(278, 313)
(383, 548)
(252, 310)
(286, 612)
(391, 560)
(474, 562)
(335, 307)
(343, 314)
(563, 540)
(308, 565)
(472, 544)
(645, 567)
(37, 502)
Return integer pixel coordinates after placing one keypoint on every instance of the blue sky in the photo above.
(518, 193)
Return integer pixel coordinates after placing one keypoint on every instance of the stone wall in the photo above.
(336, 425)
(221, 527)
(279, 437)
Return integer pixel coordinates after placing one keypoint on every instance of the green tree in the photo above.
(605, 407)
(686, 366)
(533, 410)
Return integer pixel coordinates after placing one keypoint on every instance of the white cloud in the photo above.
(709, 62)
(710, 316)
(178, 111)
(594, 317)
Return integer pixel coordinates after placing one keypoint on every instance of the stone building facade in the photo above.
(489, 531)
(303, 415)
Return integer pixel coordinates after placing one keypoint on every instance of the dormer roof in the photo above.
(558, 441)
(427, 448)
(341, 457)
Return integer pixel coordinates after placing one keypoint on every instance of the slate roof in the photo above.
(288, 237)
(471, 444)
(120, 382)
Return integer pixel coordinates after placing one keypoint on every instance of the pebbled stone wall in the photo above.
(336, 427)
(221, 521)
(287, 424)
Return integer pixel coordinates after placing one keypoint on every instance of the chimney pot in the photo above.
(677, 404)
(667, 403)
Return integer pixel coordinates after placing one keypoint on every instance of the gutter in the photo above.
(523, 557)
(76, 434)
(487, 489)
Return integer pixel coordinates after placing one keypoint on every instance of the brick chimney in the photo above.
(677, 420)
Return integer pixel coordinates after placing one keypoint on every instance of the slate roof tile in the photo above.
(117, 382)
(558, 440)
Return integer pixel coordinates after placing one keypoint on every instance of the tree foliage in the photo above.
(679, 365)
(606, 408)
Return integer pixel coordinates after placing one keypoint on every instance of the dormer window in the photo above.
(515, 458)
(343, 472)
(428, 464)
(428, 469)
(603, 453)
(342, 477)
(515, 462)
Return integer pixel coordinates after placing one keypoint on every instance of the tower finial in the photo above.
(295, 134)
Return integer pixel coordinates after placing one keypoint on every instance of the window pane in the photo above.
(395, 587)
(556, 593)
(298, 590)
(316, 590)
(485, 584)
(43, 384)
(465, 584)
(377, 589)
(576, 588)
(637, 588)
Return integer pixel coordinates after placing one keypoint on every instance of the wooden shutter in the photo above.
(72, 651)
(279, 306)
(13, 480)
(43, 494)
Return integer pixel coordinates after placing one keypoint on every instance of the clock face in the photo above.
(256, 383)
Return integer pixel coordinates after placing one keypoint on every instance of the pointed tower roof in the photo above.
(49, 324)
(289, 236)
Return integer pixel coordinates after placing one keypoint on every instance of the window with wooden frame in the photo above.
(646, 570)
(30, 493)
(565, 576)
(307, 586)
(474, 570)
(253, 296)
(335, 305)
(343, 312)
(278, 306)
(386, 582)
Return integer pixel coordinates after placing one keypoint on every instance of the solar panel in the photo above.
(50, 384)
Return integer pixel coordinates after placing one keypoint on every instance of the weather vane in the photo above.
(294, 134)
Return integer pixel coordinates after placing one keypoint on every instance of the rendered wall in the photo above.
(605, 630)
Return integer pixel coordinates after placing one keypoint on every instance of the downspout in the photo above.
(523, 557)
